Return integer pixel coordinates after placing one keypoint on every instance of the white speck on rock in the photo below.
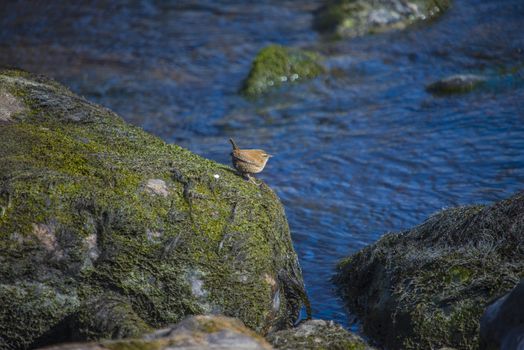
(157, 187)
(283, 78)
(276, 301)
(383, 17)
(92, 247)
(216, 176)
(197, 286)
(243, 278)
(294, 77)
(153, 236)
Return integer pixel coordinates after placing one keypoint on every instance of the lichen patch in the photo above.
(9, 106)
(47, 238)
(153, 236)
(45, 235)
(269, 280)
(157, 187)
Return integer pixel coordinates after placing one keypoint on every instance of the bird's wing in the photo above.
(248, 156)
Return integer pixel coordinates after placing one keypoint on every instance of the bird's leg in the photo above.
(252, 179)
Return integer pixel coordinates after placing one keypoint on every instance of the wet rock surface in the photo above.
(350, 18)
(427, 287)
(107, 231)
(317, 335)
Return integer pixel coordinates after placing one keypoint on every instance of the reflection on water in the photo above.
(359, 152)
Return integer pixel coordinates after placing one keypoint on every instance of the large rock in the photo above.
(276, 65)
(107, 231)
(195, 332)
(502, 325)
(317, 335)
(350, 18)
(427, 287)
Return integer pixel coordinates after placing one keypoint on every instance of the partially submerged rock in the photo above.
(276, 65)
(317, 335)
(427, 287)
(459, 83)
(195, 332)
(350, 18)
(107, 231)
(502, 324)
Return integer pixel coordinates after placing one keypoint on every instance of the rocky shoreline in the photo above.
(108, 235)
(429, 286)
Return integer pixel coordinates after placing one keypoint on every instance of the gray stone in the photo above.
(350, 18)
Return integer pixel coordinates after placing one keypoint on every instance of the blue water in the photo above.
(360, 151)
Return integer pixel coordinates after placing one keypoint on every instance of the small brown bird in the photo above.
(248, 161)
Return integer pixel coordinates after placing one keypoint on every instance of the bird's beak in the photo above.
(270, 155)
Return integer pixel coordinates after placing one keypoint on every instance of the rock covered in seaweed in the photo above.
(350, 18)
(195, 332)
(502, 324)
(317, 335)
(459, 83)
(276, 65)
(427, 287)
(107, 231)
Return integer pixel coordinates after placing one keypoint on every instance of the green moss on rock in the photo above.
(276, 65)
(350, 18)
(317, 335)
(427, 287)
(94, 211)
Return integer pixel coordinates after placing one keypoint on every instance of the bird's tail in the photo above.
(233, 144)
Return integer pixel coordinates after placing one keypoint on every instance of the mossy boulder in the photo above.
(195, 332)
(427, 287)
(107, 231)
(350, 18)
(460, 83)
(276, 65)
(317, 335)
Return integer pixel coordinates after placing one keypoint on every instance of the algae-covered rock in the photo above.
(459, 83)
(276, 65)
(502, 324)
(195, 332)
(350, 18)
(427, 287)
(317, 335)
(107, 231)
